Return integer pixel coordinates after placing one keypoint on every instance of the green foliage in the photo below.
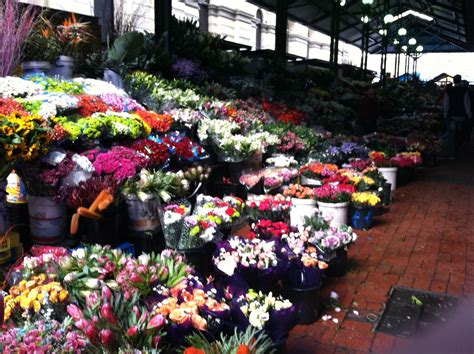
(126, 48)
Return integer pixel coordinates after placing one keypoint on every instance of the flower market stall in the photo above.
(177, 215)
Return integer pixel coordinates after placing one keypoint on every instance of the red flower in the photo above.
(107, 314)
(9, 106)
(243, 349)
(158, 122)
(89, 105)
(230, 211)
(193, 350)
(107, 338)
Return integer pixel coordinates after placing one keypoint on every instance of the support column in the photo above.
(335, 29)
(203, 15)
(104, 10)
(163, 21)
(281, 28)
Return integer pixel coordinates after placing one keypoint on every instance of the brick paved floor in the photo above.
(425, 241)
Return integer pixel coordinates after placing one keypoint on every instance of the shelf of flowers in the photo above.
(103, 167)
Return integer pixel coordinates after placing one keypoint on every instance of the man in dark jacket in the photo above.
(368, 113)
(457, 108)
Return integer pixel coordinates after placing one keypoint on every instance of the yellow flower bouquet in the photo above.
(365, 199)
(22, 138)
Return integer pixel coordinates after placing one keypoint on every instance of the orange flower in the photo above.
(193, 350)
(179, 316)
(198, 322)
(322, 265)
(243, 349)
(309, 262)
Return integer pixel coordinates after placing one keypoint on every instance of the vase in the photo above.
(390, 175)
(310, 182)
(143, 216)
(107, 230)
(336, 212)
(113, 78)
(337, 266)
(47, 220)
(361, 218)
(35, 67)
(63, 67)
(300, 209)
(306, 303)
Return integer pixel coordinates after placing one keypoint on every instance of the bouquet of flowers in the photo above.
(267, 229)
(275, 315)
(333, 238)
(305, 267)
(282, 161)
(329, 193)
(159, 123)
(381, 159)
(365, 199)
(23, 138)
(185, 117)
(318, 170)
(299, 192)
(276, 177)
(51, 84)
(156, 153)
(174, 215)
(11, 86)
(254, 260)
(274, 208)
(407, 159)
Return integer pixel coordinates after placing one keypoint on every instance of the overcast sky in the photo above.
(431, 65)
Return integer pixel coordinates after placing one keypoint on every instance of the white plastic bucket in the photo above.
(310, 182)
(143, 216)
(390, 174)
(47, 220)
(300, 209)
(336, 212)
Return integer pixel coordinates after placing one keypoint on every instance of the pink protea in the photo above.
(75, 312)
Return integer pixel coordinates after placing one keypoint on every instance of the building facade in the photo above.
(237, 20)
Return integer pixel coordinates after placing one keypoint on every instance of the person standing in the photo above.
(457, 108)
(368, 113)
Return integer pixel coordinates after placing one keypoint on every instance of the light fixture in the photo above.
(412, 41)
(404, 48)
(402, 31)
(388, 18)
(383, 32)
(419, 49)
(367, 2)
(396, 41)
(416, 14)
(342, 2)
(365, 19)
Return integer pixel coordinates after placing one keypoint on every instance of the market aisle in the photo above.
(426, 241)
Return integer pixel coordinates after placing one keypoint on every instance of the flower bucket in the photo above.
(3, 210)
(405, 175)
(390, 175)
(143, 216)
(47, 220)
(35, 67)
(361, 218)
(386, 194)
(105, 231)
(113, 78)
(306, 303)
(300, 209)
(336, 212)
(310, 182)
(337, 266)
(64, 66)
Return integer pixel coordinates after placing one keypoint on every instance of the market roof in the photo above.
(445, 25)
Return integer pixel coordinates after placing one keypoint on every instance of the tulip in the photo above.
(70, 277)
(106, 293)
(92, 299)
(135, 278)
(144, 259)
(92, 283)
(136, 311)
(156, 322)
(132, 331)
(155, 342)
(107, 314)
(75, 312)
(107, 338)
(82, 324)
(92, 333)
(80, 253)
(109, 266)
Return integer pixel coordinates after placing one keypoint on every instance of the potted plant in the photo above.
(333, 202)
(406, 162)
(386, 166)
(303, 203)
(361, 209)
(40, 50)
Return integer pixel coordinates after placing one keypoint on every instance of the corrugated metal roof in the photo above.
(451, 30)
